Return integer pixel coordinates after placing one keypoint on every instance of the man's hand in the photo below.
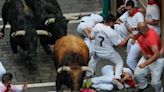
(141, 10)
(131, 35)
(142, 65)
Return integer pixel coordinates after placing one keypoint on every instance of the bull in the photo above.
(23, 31)
(72, 56)
(49, 17)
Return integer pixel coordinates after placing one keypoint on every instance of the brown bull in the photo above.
(72, 57)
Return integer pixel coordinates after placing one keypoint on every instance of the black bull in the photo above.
(30, 19)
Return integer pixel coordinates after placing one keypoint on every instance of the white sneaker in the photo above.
(118, 84)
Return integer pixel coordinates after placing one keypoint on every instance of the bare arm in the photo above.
(153, 58)
(120, 9)
(153, 22)
(118, 21)
(87, 32)
(123, 42)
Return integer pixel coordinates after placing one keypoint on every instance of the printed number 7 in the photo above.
(102, 39)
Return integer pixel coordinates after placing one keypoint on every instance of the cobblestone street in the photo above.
(45, 71)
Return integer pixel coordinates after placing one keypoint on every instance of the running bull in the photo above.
(23, 31)
(49, 17)
(72, 56)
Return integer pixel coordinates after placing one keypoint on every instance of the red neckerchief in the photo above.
(8, 87)
(133, 12)
(152, 2)
(131, 83)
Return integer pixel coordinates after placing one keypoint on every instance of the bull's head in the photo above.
(30, 39)
(76, 75)
(57, 26)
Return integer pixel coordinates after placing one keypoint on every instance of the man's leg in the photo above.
(140, 74)
(115, 58)
(156, 70)
(104, 86)
(133, 56)
(92, 63)
(107, 75)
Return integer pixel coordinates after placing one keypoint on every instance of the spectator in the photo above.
(131, 18)
(105, 82)
(152, 60)
(6, 84)
(105, 38)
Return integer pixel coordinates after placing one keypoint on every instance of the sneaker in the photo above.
(118, 84)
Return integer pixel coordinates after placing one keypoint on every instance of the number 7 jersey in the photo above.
(105, 37)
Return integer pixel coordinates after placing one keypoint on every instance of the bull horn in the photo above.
(49, 21)
(43, 32)
(17, 33)
(86, 68)
(63, 68)
(71, 18)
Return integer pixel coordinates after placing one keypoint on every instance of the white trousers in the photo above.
(112, 56)
(104, 82)
(133, 55)
(155, 69)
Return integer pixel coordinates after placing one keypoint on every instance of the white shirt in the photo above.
(153, 13)
(83, 25)
(2, 70)
(132, 21)
(105, 37)
(121, 30)
(12, 89)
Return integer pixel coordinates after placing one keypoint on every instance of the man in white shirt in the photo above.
(122, 8)
(105, 82)
(131, 18)
(152, 17)
(85, 28)
(105, 38)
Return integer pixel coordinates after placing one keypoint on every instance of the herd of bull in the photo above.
(31, 20)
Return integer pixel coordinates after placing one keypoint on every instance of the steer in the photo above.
(72, 56)
(22, 21)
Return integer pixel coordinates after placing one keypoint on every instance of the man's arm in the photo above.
(123, 42)
(153, 58)
(87, 32)
(153, 22)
